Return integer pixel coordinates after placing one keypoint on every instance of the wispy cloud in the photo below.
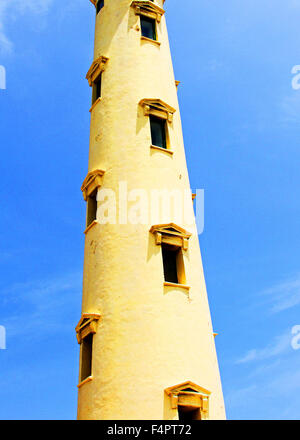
(40, 306)
(271, 367)
(284, 295)
(273, 370)
(279, 381)
(11, 9)
(290, 107)
(237, 396)
(279, 345)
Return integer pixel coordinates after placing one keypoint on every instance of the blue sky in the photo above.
(241, 122)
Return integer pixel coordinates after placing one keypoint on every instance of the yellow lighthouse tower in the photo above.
(147, 348)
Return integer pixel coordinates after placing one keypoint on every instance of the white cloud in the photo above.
(10, 9)
(283, 296)
(41, 306)
(290, 107)
(254, 398)
(280, 345)
(273, 373)
(236, 396)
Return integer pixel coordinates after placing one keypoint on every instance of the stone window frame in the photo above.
(197, 399)
(91, 183)
(149, 9)
(97, 68)
(173, 235)
(161, 110)
(86, 326)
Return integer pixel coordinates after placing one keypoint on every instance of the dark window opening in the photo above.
(186, 414)
(148, 26)
(97, 88)
(158, 132)
(170, 263)
(91, 208)
(86, 356)
(190, 390)
(100, 4)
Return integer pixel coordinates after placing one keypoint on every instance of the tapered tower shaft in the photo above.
(146, 340)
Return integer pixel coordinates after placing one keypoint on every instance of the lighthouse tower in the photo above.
(147, 348)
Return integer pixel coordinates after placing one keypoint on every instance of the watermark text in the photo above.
(2, 338)
(155, 206)
(295, 342)
(2, 78)
(296, 78)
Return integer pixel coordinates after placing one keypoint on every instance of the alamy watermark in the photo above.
(295, 342)
(2, 78)
(2, 338)
(296, 78)
(155, 206)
